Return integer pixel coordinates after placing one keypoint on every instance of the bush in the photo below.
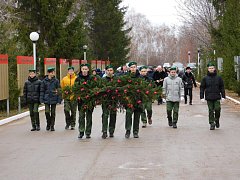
(237, 87)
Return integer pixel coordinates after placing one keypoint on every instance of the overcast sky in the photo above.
(157, 11)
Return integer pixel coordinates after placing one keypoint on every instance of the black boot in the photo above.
(212, 126)
(67, 127)
(111, 135)
(88, 136)
(170, 123)
(33, 128)
(217, 124)
(52, 128)
(174, 125)
(48, 127)
(127, 135)
(135, 135)
(81, 134)
(38, 128)
(190, 103)
(104, 135)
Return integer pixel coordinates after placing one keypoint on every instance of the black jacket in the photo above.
(50, 91)
(189, 80)
(213, 87)
(159, 76)
(31, 90)
(146, 78)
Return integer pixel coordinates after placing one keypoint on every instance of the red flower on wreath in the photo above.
(119, 81)
(138, 91)
(139, 101)
(85, 82)
(130, 105)
(79, 98)
(129, 80)
(155, 92)
(96, 93)
(116, 91)
(95, 79)
(82, 89)
(125, 91)
(113, 97)
(108, 90)
(87, 96)
(147, 92)
(85, 107)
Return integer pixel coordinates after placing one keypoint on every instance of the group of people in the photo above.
(175, 89)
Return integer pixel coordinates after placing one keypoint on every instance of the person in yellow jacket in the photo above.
(70, 104)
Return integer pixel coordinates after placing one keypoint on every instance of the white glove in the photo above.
(223, 99)
(182, 98)
(202, 100)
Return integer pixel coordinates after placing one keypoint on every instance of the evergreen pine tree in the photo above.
(109, 39)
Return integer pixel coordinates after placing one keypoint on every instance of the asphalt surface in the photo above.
(190, 152)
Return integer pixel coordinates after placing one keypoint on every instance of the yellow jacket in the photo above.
(68, 81)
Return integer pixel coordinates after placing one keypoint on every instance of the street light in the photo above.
(198, 61)
(85, 52)
(34, 36)
(189, 56)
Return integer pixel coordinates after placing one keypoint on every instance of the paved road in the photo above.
(190, 152)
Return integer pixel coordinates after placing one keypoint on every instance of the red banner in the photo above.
(25, 60)
(83, 61)
(75, 62)
(3, 59)
(49, 61)
(63, 61)
(108, 62)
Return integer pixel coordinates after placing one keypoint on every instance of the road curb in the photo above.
(18, 116)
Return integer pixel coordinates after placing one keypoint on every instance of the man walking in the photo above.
(85, 115)
(173, 90)
(158, 77)
(31, 96)
(106, 112)
(147, 106)
(188, 81)
(212, 88)
(129, 111)
(70, 104)
(50, 96)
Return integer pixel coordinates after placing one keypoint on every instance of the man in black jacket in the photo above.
(212, 87)
(31, 96)
(50, 96)
(158, 77)
(188, 81)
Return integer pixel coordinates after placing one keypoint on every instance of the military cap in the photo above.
(131, 63)
(174, 68)
(70, 67)
(50, 69)
(109, 66)
(188, 68)
(32, 70)
(210, 64)
(143, 67)
(88, 65)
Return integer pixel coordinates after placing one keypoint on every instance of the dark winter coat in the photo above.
(50, 91)
(213, 87)
(31, 90)
(146, 78)
(189, 80)
(159, 76)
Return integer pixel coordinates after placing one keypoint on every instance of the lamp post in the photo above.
(85, 52)
(34, 36)
(189, 56)
(198, 61)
